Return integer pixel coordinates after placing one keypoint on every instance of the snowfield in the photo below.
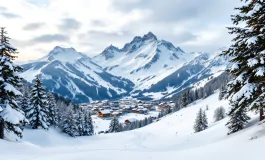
(170, 138)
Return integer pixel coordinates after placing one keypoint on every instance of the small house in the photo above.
(163, 106)
(129, 121)
(104, 113)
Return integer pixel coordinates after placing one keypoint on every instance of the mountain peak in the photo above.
(63, 54)
(111, 47)
(57, 49)
(149, 35)
(109, 52)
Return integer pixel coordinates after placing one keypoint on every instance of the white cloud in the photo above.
(94, 24)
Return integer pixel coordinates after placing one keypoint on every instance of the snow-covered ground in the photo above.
(170, 138)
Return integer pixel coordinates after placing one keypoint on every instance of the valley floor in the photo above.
(170, 138)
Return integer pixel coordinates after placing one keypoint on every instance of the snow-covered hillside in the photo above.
(75, 76)
(145, 60)
(170, 138)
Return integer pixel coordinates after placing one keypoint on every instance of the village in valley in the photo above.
(127, 110)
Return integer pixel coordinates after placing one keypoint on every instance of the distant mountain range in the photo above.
(145, 68)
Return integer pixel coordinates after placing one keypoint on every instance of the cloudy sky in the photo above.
(37, 26)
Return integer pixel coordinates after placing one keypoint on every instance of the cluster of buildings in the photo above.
(107, 108)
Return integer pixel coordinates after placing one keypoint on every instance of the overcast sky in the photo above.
(37, 26)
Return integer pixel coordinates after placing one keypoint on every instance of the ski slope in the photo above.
(170, 138)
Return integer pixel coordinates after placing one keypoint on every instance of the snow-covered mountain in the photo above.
(157, 67)
(75, 76)
(145, 60)
(203, 66)
(144, 68)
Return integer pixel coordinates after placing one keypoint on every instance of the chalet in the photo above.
(142, 110)
(129, 121)
(104, 113)
(163, 106)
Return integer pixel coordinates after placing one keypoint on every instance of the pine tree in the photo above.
(247, 90)
(176, 107)
(238, 120)
(24, 104)
(69, 122)
(184, 100)
(88, 125)
(145, 121)
(11, 117)
(121, 127)
(219, 114)
(222, 92)
(61, 112)
(80, 122)
(201, 122)
(114, 125)
(149, 120)
(52, 110)
(37, 112)
(204, 120)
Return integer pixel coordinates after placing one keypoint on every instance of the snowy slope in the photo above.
(75, 76)
(145, 60)
(171, 138)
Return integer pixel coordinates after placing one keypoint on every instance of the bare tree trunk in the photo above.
(261, 114)
(2, 128)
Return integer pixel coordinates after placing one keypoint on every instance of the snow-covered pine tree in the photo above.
(247, 90)
(24, 104)
(139, 124)
(219, 114)
(11, 117)
(121, 127)
(52, 110)
(114, 125)
(61, 112)
(238, 120)
(204, 120)
(37, 112)
(200, 121)
(88, 125)
(24, 100)
(80, 121)
(149, 120)
(176, 107)
(69, 122)
(222, 92)
(145, 121)
(184, 100)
